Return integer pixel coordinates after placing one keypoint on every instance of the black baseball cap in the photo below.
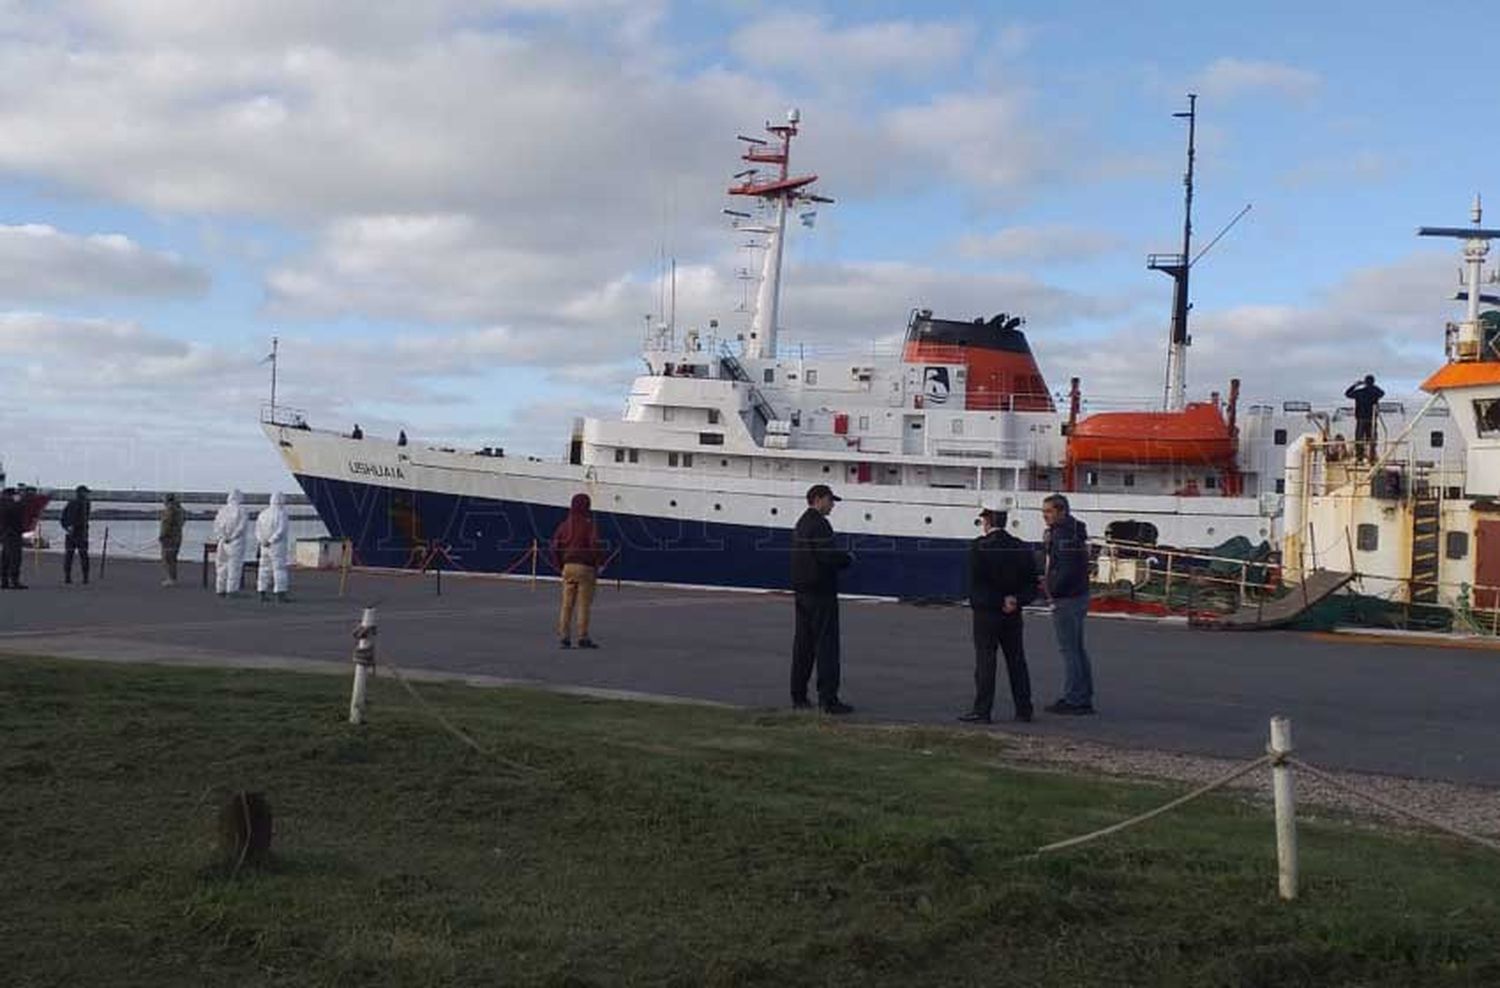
(821, 490)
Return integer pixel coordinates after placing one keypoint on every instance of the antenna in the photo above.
(672, 317)
(1220, 235)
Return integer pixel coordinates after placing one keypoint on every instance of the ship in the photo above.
(701, 479)
(1418, 523)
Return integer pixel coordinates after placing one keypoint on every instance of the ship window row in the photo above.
(622, 454)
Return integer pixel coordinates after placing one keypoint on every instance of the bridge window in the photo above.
(710, 439)
(713, 416)
(1487, 415)
(1279, 437)
(1280, 486)
(1129, 480)
(1458, 545)
(619, 456)
(770, 375)
(1210, 482)
(1435, 440)
(635, 456)
(812, 376)
(671, 459)
(1367, 538)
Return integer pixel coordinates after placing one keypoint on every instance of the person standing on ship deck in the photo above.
(816, 564)
(1065, 578)
(576, 552)
(1366, 397)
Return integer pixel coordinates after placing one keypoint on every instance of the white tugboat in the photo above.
(1420, 526)
(702, 478)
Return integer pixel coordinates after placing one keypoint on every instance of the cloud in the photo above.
(1385, 320)
(1355, 166)
(810, 45)
(41, 264)
(1041, 244)
(1228, 78)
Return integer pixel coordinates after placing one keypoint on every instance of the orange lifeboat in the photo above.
(1196, 436)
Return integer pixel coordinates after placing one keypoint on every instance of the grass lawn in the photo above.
(645, 844)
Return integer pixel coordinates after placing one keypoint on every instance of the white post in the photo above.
(364, 664)
(1286, 808)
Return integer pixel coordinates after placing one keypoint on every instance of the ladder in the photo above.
(735, 371)
(1426, 531)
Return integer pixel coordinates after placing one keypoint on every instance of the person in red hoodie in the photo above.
(577, 553)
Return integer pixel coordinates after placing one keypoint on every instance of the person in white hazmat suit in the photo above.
(275, 538)
(230, 526)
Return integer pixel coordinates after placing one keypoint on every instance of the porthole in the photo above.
(672, 503)
(868, 516)
(927, 520)
(718, 507)
(774, 511)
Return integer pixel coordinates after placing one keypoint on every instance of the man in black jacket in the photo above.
(75, 526)
(816, 563)
(12, 527)
(1366, 396)
(1002, 580)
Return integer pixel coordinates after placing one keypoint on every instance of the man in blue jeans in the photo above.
(1065, 579)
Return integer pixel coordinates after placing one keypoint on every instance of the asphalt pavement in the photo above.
(1406, 707)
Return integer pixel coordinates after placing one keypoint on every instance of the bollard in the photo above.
(1286, 807)
(364, 664)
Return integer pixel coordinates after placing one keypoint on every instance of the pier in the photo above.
(1402, 706)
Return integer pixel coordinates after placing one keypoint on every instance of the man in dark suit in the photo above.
(1002, 580)
(816, 563)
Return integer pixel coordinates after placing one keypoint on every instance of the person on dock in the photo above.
(816, 564)
(358, 433)
(75, 526)
(1002, 580)
(169, 535)
(273, 531)
(576, 552)
(230, 525)
(12, 527)
(1065, 579)
(1366, 397)
(401, 438)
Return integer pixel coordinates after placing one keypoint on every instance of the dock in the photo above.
(1408, 707)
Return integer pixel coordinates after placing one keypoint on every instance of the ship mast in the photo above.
(1178, 266)
(1476, 246)
(779, 192)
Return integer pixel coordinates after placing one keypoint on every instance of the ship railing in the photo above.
(1470, 607)
(283, 415)
(1338, 465)
(1184, 579)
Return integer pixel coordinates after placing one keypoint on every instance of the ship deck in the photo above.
(1401, 707)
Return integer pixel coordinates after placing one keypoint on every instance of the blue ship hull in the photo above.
(397, 528)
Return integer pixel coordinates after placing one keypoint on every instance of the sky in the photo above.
(452, 213)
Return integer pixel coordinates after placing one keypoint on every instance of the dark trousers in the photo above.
(10, 560)
(1364, 439)
(169, 559)
(816, 643)
(76, 544)
(996, 630)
